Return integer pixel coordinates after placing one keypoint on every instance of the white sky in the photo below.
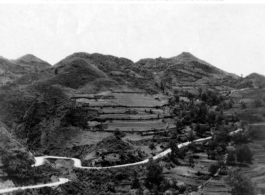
(230, 37)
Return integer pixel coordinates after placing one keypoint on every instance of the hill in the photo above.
(257, 79)
(108, 111)
(10, 70)
(182, 69)
(31, 62)
(121, 72)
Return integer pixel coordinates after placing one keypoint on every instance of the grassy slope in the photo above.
(13, 69)
(36, 106)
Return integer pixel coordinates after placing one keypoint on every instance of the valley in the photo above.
(98, 124)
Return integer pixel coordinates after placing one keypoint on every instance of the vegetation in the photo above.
(154, 174)
(230, 158)
(40, 114)
(240, 184)
(243, 154)
(213, 169)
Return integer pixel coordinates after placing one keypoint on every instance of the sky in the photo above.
(230, 37)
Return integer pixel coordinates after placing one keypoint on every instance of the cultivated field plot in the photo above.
(217, 186)
(191, 179)
(138, 111)
(126, 99)
(132, 117)
(256, 172)
(136, 125)
(87, 138)
(188, 174)
(136, 137)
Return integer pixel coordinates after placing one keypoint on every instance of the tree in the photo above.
(198, 129)
(191, 135)
(200, 91)
(16, 161)
(117, 133)
(257, 103)
(174, 148)
(243, 154)
(174, 135)
(162, 86)
(135, 183)
(243, 105)
(213, 169)
(230, 158)
(191, 161)
(177, 98)
(240, 138)
(219, 119)
(240, 184)
(154, 173)
(211, 117)
(152, 146)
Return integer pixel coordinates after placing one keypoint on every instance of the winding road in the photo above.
(77, 163)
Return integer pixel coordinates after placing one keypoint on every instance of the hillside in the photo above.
(121, 72)
(184, 69)
(10, 70)
(106, 111)
(32, 63)
(257, 79)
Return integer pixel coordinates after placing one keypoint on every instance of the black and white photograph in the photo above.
(132, 97)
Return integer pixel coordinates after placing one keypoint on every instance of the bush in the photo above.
(154, 173)
(243, 154)
(16, 161)
(257, 103)
(240, 184)
(230, 158)
(118, 134)
(240, 138)
(152, 146)
(243, 105)
(213, 169)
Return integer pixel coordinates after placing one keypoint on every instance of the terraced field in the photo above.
(126, 100)
(138, 111)
(256, 171)
(129, 112)
(136, 125)
(135, 113)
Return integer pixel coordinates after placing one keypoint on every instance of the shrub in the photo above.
(243, 154)
(243, 105)
(230, 158)
(152, 146)
(240, 184)
(213, 169)
(117, 133)
(240, 138)
(15, 161)
(257, 103)
(154, 173)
